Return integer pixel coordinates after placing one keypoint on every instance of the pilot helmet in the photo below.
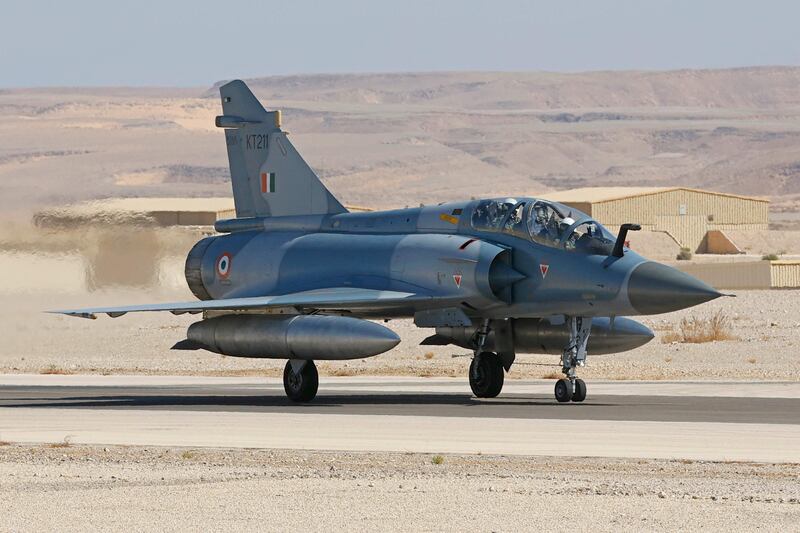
(541, 213)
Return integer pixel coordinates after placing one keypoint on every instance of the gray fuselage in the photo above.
(425, 250)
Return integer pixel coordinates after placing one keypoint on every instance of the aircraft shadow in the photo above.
(267, 402)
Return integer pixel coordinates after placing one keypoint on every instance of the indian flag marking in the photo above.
(267, 182)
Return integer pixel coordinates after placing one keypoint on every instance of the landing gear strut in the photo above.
(486, 372)
(571, 388)
(300, 380)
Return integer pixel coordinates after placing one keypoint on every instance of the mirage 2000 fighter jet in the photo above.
(296, 276)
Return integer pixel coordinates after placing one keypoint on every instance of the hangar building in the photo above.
(694, 218)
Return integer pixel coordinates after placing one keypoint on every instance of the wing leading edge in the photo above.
(333, 298)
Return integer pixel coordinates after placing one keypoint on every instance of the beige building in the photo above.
(736, 275)
(693, 218)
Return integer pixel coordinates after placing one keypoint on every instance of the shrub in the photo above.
(698, 330)
(437, 459)
(684, 255)
(769, 257)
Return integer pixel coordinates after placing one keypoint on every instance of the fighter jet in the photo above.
(297, 276)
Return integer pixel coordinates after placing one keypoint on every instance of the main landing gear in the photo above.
(300, 380)
(572, 388)
(486, 375)
(486, 372)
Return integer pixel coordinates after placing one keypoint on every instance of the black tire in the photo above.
(580, 391)
(486, 375)
(301, 387)
(563, 390)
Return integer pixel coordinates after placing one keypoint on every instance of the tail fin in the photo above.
(268, 176)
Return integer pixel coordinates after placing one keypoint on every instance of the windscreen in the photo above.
(591, 238)
(546, 223)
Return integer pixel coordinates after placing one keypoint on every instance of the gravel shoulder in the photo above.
(168, 489)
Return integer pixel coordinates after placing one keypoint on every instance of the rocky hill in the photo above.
(385, 140)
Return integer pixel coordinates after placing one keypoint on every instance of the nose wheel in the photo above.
(567, 390)
(579, 390)
(563, 390)
(570, 391)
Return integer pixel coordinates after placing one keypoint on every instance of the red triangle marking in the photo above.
(457, 279)
(543, 269)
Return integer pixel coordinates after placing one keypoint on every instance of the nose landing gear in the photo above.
(572, 388)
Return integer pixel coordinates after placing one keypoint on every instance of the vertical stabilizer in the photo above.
(269, 177)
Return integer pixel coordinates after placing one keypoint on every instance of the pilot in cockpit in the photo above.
(539, 221)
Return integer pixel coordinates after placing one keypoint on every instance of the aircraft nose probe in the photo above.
(654, 288)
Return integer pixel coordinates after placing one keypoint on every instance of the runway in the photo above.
(714, 421)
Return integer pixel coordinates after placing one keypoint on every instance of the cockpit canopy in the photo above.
(547, 223)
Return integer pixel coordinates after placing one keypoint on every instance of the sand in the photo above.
(175, 489)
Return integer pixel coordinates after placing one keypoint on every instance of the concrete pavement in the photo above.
(665, 420)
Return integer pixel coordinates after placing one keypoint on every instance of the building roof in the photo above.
(595, 195)
(167, 211)
(151, 205)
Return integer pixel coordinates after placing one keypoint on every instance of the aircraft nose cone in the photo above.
(654, 288)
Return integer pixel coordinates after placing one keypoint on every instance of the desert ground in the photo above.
(426, 138)
(173, 489)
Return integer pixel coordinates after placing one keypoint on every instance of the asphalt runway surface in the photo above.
(346, 399)
(704, 421)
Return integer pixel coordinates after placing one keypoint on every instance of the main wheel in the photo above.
(301, 387)
(563, 390)
(580, 391)
(486, 375)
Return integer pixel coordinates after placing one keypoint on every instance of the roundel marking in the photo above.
(224, 265)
